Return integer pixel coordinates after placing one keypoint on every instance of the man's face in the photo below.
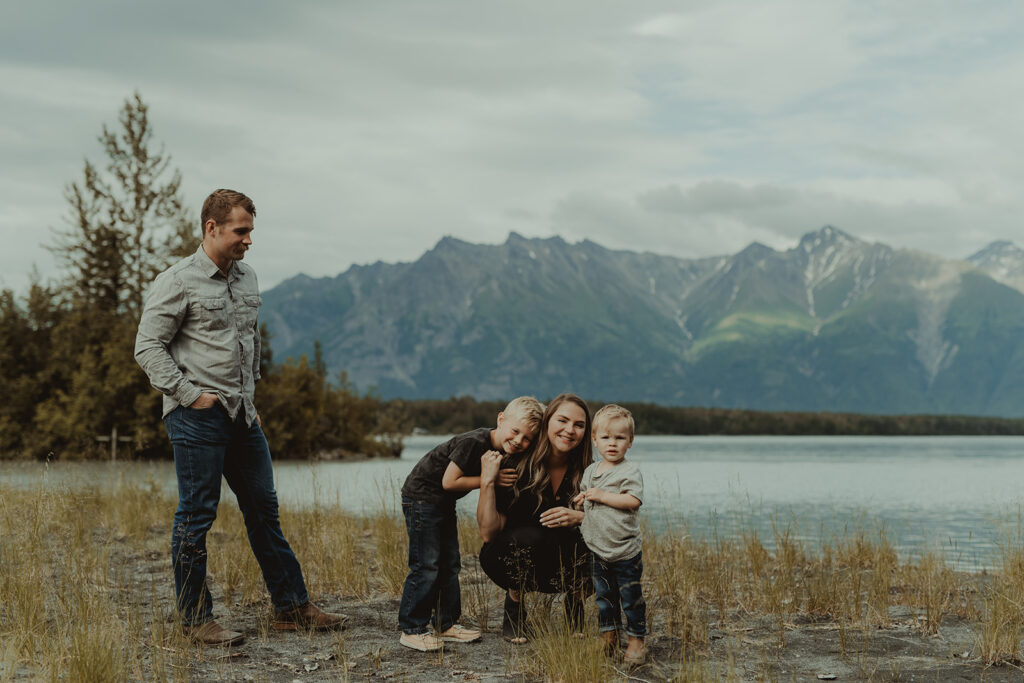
(228, 241)
(513, 435)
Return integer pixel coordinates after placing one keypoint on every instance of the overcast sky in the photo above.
(367, 131)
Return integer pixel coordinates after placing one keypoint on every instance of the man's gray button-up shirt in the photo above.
(198, 333)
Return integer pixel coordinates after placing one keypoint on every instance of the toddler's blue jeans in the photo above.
(615, 583)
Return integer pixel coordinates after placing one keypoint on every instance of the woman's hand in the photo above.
(490, 468)
(561, 517)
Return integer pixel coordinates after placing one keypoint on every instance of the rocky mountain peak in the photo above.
(1002, 261)
(1000, 249)
(828, 237)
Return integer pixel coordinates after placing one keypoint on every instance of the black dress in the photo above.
(529, 556)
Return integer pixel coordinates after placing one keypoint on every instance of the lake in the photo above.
(959, 495)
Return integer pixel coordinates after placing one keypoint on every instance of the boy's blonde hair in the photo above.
(525, 408)
(611, 412)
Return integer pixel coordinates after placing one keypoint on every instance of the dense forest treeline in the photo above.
(460, 414)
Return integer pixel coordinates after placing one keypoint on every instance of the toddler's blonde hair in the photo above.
(613, 411)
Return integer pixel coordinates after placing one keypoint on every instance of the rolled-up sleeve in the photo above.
(162, 316)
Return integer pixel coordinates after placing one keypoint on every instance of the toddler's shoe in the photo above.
(610, 642)
(458, 633)
(424, 642)
(636, 652)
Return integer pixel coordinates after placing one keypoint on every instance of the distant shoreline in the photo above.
(456, 415)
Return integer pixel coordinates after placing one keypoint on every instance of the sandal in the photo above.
(513, 624)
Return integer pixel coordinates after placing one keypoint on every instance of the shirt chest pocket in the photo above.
(248, 311)
(213, 313)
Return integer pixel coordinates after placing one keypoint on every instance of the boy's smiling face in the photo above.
(512, 435)
(613, 439)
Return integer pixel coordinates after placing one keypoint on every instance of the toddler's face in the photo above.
(513, 435)
(612, 439)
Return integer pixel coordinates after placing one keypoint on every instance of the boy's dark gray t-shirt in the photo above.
(424, 482)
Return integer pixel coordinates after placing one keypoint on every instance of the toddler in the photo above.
(612, 492)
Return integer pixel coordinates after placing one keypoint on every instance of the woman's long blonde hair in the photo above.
(532, 467)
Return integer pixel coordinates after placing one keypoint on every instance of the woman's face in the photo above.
(567, 427)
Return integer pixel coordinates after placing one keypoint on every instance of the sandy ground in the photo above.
(743, 649)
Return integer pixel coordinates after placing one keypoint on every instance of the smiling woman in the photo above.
(532, 540)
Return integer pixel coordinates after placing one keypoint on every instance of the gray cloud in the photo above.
(367, 131)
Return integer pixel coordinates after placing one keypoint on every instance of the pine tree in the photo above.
(127, 224)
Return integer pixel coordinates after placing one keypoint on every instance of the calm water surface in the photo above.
(960, 495)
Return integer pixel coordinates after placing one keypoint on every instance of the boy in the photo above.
(441, 477)
(612, 492)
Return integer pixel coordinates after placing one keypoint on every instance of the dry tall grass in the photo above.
(68, 611)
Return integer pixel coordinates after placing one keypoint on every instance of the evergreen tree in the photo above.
(67, 368)
(126, 223)
(25, 360)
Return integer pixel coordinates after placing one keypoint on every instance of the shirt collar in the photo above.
(206, 264)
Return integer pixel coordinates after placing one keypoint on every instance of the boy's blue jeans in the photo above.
(432, 586)
(207, 444)
(616, 582)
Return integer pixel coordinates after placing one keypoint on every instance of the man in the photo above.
(200, 346)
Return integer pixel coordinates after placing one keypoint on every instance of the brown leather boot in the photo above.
(308, 616)
(212, 633)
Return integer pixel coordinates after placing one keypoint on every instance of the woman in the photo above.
(531, 531)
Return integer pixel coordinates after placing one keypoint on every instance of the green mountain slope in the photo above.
(833, 324)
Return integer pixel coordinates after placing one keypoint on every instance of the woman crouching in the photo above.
(531, 534)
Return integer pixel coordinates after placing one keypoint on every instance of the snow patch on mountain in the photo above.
(1003, 262)
(934, 296)
(831, 252)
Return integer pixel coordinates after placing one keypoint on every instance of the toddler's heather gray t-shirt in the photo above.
(610, 533)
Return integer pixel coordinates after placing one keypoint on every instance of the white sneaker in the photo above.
(460, 634)
(424, 642)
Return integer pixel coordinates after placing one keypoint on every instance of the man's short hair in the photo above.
(525, 408)
(219, 204)
(611, 412)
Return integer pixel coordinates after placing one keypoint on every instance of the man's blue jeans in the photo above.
(616, 582)
(432, 586)
(207, 444)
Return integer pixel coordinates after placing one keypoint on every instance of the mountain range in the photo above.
(833, 324)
